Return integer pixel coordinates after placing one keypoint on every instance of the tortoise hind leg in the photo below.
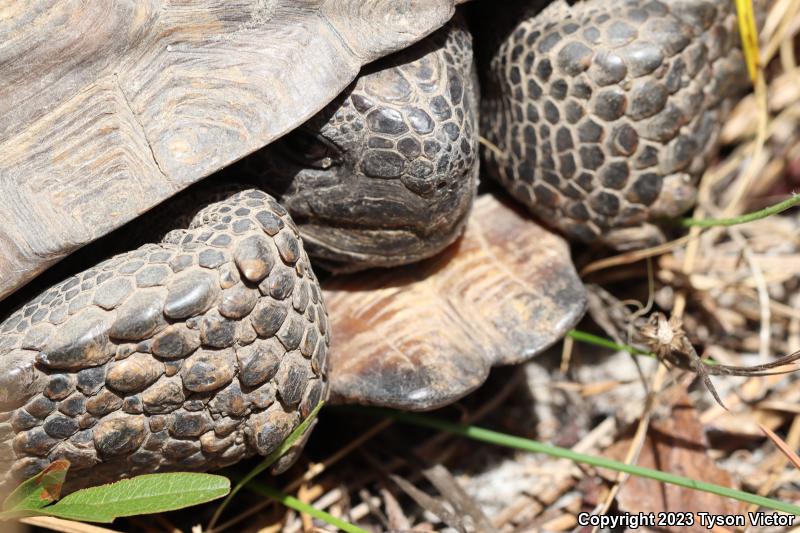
(188, 354)
(604, 114)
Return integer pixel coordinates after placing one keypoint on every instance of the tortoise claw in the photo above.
(424, 335)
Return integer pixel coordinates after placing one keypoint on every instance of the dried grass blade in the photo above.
(782, 446)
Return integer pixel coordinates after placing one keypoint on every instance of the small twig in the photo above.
(777, 27)
(762, 134)
(763, 294)
(448, 487)
(782, 446)
(491, 146)
(64, 526)
(779, 459)
(633, 257)
(430, 504)
(566, 354)
(651, 298)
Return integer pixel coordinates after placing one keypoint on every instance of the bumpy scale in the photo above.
(386, 174)
(606, 112)
(189, 354)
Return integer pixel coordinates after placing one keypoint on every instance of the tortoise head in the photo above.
(387, 172)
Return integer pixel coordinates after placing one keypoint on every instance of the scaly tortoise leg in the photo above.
(188, 354)
(607, 112)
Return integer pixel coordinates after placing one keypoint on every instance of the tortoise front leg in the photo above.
(188, 354)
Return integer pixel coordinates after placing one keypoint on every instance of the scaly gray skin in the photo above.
(385, 175)
(210, 346)
(189, 354)
(607, 112)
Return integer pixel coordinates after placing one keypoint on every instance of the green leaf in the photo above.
(146, 494)
(42, 489)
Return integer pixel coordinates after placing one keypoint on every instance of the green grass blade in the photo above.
(589, 338)
(519, 443)
(297, 505)
(742, 219)
(145, 494)
(298, 432)
(582, 336)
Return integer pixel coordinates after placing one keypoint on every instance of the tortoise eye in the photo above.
(310, 149)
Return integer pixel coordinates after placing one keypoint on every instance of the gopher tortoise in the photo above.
(198, 334)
